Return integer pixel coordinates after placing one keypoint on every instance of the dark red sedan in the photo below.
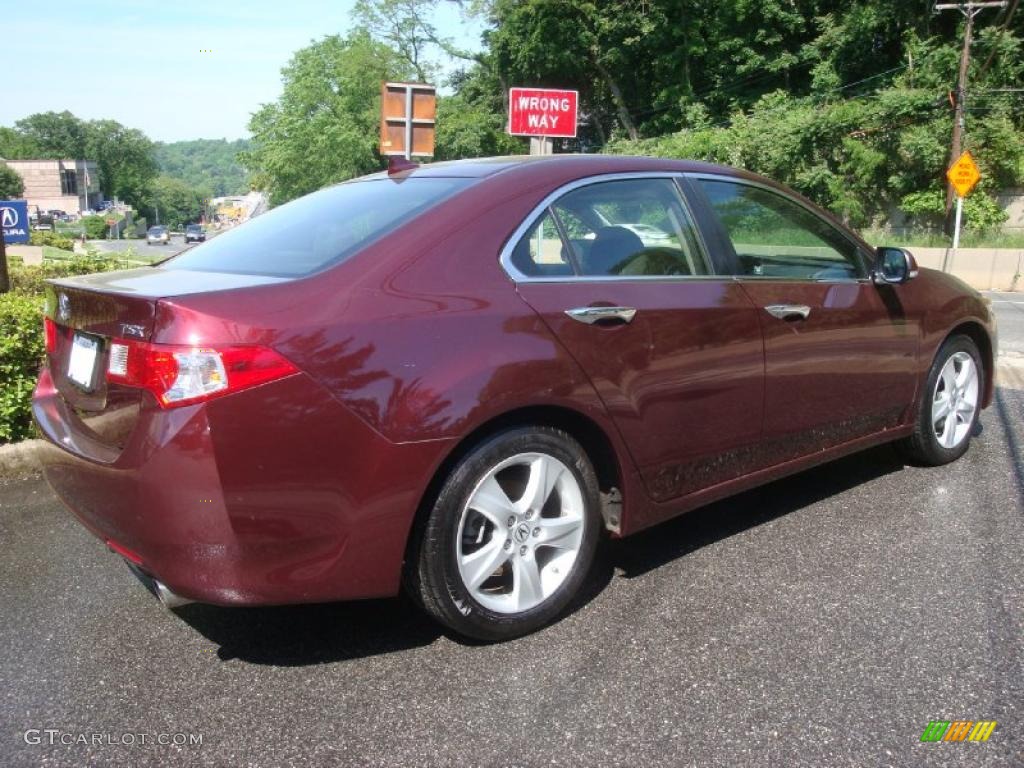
(460, 377)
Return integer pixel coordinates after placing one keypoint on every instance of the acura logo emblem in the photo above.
(8, 218)
(63, 307)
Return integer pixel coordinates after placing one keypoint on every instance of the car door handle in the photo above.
(788, 311)
(591, 315)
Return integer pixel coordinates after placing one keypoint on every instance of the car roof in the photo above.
(543, 164)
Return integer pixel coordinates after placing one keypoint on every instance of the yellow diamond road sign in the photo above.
(963, 174)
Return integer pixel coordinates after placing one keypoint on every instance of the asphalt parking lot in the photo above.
(823, 620)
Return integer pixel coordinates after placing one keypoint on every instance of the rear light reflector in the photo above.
(50, 331)
(181, 375)
(124, 552)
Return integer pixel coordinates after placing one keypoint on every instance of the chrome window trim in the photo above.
(505, 257)
(786, 196)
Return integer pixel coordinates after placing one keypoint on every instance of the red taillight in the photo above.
(180, 375)
(50, 331)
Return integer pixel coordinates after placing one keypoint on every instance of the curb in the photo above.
(19, 459)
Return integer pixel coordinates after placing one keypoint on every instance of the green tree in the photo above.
(14, 145)
(11, 184)
(205, 163)
(176, 202)
(325, 126)
(404, 26)
(58, 135)
(125, 157)
(472, 121)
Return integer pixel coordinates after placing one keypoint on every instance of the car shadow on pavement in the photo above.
(1009, 401)
(657, 546)
(299, 635)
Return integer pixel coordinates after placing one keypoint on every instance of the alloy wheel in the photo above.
(520, 532)
(955, 400)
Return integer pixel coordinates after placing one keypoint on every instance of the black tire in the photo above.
(923, 446)
(432, 573)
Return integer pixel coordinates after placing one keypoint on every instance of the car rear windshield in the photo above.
(318, 230)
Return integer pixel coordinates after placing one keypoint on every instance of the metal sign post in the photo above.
(542, 145)
(959, 218)
(963, 175)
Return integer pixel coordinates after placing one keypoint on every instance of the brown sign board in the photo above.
(407, 114)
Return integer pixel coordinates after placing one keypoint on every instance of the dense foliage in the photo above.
(847, 101)
(173, 202)
(11, 185)
(208, 165)
(50, 238)
(21, 350)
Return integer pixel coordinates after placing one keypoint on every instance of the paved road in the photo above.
(823, 620)
(1010, 310)
(146, 252)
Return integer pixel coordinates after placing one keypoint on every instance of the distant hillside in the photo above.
(205, 164)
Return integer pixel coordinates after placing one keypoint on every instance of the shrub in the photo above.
(29, 279)
(95, 227)
(21, 353)
(53, 239)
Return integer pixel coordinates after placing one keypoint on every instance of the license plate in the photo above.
(82, 362)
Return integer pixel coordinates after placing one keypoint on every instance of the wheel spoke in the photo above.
(561, 532)
(966, 373)
(492, 502)
(544, 474)
(948, 437)
(479, 565)
(527, 590)
(948, 376)
(941, 408)
(965, 411)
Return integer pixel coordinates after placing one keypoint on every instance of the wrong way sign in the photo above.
(542, 112)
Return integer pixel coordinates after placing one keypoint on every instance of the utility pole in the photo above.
(969, 10)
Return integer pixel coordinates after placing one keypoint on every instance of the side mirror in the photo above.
(894, 266)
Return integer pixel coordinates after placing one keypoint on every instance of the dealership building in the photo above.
(72, 186)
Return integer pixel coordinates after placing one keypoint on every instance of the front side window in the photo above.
(625, 228)
(776, 237)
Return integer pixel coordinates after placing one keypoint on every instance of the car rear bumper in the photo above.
(269, 496)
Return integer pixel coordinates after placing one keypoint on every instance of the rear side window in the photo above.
(318, 230)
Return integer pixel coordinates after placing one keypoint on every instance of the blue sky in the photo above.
(140, 62)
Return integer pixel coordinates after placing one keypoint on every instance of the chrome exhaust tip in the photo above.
(168, 599)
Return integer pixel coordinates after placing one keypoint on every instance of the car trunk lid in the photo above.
(88, 313)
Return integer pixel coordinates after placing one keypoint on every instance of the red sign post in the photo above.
(542, 112)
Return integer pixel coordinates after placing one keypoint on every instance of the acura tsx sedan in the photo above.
(459, 377)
